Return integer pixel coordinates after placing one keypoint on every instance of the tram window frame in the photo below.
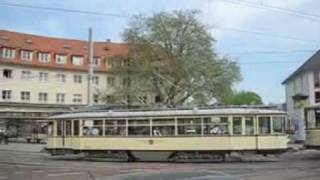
(139, 129)
(166, 127)
(215, 128)
(194, 128)
(76, 128)
(239, 130)
(50, 129)
(68, 127)
(59, 128)
(92, 128)
(262, 131)
(115, 129)
(275, 121)
(248, 131)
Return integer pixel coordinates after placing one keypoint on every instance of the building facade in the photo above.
(302, 89)
(38, 71)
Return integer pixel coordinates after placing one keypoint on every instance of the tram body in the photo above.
(312, 122)
(169, 134)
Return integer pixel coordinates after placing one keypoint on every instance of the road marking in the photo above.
(38, 171)
(66, 174)
(18, 172)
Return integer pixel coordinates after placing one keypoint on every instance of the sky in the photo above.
(265, 60)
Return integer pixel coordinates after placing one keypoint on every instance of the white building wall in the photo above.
(16, 84)
(304, 84)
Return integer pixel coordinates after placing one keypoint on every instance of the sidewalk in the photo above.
(22, 147)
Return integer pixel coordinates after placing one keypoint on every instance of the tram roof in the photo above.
(168, 113)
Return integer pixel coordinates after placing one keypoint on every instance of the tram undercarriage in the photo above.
(157, 156)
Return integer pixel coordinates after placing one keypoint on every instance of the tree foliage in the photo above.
(172, 56)
(245, 98)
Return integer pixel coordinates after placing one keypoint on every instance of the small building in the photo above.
(302, 89)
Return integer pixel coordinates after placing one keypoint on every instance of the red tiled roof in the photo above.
(70, 47)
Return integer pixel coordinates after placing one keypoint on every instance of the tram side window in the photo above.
(92, 128)
(68, 128)
(216, 125)
(278, 124)
(237, 125)
(189, 126)
(249, 125)
(139, 127)
(163, 127)
(76, 127)
(50, 128)
(59, 128)
(264, 125)
(115, 127)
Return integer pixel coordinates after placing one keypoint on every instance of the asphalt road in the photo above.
(23, 163)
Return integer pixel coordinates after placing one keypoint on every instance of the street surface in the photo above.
(25, 161)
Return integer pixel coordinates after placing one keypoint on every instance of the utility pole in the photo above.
(90, 68)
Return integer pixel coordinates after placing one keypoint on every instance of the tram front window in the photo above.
(92, 128)
(237, 125)
(115, 127)
(264, 125)
(189, 126)
(215, 125)
(139, 127)
(162, 127)
(278, 124)
(249, 125)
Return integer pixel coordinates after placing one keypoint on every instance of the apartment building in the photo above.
(302, 89)
(38, 71)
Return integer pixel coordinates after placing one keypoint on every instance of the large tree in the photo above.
(244, 98)
(172, 56)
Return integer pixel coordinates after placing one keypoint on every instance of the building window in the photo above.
(96, 61)
(6, 94)
(143, 99)
(77, 78)
(25, 74)
(317, 96)
(61, 78)
(111, 99)
(25, 96)
(43, 97)
(60, 97)
(96, 98)
(110, 63)
(61, 59)
(7, 73)
(77, 60)
(8, 53)
(95, 80)
(44, 57)
(110, 81)
(126, 82)
(43, 76)
(26, 55)
(77, 98)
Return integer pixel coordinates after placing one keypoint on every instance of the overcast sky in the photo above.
(261, 72)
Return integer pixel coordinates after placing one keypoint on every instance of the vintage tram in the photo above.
(312, 123)
(170, 134)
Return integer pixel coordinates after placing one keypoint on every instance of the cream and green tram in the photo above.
(312, 122)
(168, 134)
